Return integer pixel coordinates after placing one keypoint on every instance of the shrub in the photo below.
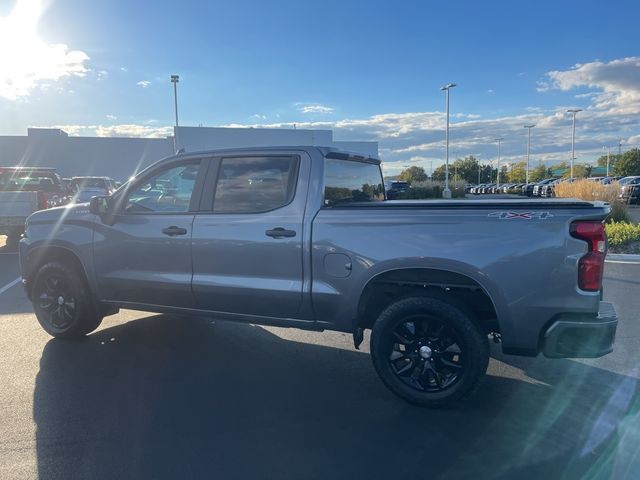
(590, 190)
(431, 189)
(621, 233)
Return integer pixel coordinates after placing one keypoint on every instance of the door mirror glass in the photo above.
(100, 205)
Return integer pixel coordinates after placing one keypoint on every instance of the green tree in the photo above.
(629, 164)
(412, 174)
(538, 173)
(518, 173)
(613, 159)
(439, 173)
(487, 174)
(579, 171)
(466, 169)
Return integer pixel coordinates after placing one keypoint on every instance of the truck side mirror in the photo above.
(100, 205)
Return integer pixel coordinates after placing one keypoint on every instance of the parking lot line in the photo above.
(9, 285)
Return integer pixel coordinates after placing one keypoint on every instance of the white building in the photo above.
(119, 157)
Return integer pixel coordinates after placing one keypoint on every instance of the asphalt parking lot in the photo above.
(150, 396)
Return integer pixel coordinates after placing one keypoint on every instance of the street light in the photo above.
(175, 79)
(528, 127)
(573, 136)
(446, 193)
(498, 174)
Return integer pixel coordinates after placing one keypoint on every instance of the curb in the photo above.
(622, 258)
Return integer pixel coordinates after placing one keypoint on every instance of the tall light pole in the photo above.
(499, 140)
(478, 162)
(573, 137)
(608, 159)
(528, 127)
(446, 193)
(175, 79)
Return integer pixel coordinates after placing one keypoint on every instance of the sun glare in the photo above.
(26, 61)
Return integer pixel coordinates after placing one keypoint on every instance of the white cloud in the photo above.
(26, 61)
(111, 117)
(133, 130)
(123, 130)
(618, 82)
(124, 69)
(315, 108)
(143, 83)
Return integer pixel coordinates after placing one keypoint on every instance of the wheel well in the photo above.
(452, 287)
(43, 255)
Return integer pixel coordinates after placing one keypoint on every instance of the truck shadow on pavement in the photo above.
(164, 397)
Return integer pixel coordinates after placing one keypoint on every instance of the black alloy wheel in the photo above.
(62, 301)
(429, 350)
(426, 353)
(57, 302)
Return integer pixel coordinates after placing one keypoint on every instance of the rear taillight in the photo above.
(591, 265)
(42, 201)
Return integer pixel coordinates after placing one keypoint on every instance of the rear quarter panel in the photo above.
(527, 266)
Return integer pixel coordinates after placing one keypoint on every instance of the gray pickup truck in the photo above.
(303, 237)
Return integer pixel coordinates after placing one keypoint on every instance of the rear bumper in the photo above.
(575, 337)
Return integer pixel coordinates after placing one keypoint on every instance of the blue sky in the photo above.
(369, 70)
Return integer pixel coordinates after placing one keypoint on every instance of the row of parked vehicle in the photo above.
(629, 187)
(24, 190)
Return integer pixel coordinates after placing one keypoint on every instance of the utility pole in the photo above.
(446, 193)
(573, 137)
(175, 79)
(608, 159)
(498, 173)
(528, 127)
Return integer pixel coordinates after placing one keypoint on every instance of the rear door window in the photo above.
(255, 184)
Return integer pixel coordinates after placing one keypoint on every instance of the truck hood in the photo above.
(72, 212)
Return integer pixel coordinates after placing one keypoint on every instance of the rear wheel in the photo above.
(428, 351)
(62, 302)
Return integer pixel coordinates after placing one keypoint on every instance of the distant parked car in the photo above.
(538, 187)
(609, 180)
(396, 188)
(630, 189)
(83, 188)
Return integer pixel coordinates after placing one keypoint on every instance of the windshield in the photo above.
(86, 183)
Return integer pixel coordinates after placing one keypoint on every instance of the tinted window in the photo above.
(254, 184)
(29, 181)
(88, 182)
(347, 181)
(167, 191)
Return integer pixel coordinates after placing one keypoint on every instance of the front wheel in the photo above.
(62, 302)
(428, 351)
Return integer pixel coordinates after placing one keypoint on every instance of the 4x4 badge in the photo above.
(521, 215)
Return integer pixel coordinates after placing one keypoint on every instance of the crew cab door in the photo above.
(248, 250)
(144, 256)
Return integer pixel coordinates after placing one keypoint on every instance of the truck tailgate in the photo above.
(15, 207)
